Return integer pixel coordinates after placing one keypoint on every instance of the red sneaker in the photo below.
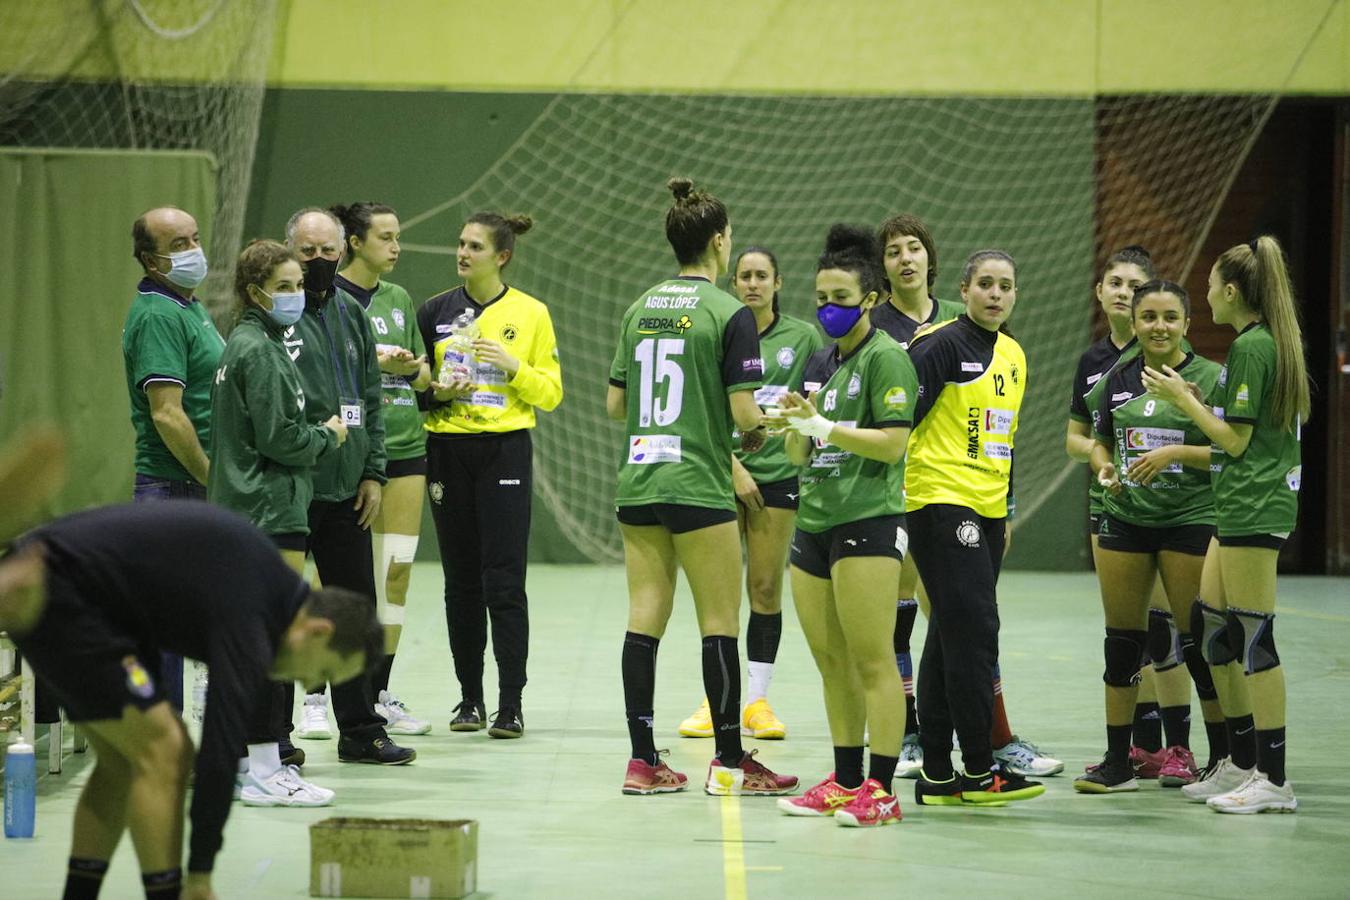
(642, 778)
(751, 778)
(1147, 764)
(1179, 769)
(822, 800)
(871, 806)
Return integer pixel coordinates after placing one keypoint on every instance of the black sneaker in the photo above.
(291, 755)
(998, 786)
(380, 752)
(470, 715)
(1106, 778)
(507, 723)
(930, 792)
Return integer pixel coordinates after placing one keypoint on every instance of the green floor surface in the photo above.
(553, 823)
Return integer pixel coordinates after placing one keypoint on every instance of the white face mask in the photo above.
(189, 267)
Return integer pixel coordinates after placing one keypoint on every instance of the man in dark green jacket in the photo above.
(334, 352)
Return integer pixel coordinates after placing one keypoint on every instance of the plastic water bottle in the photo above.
(20, 790)
(455, 364)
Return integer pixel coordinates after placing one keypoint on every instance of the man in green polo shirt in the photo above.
(170, 348)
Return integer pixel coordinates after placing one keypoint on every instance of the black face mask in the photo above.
(319, 275)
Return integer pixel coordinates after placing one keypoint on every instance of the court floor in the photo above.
(554, 824)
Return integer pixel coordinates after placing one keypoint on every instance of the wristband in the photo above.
(816, 426)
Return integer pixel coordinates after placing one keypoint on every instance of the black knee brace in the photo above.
(1219, 644)
(1257, 630)
(1199, 669)
(1125, 651)
(1164, 641)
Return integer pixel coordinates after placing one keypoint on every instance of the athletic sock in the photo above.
(762, 637)
(380, 678)
(722, 683)
(1148, 727)
(264, 760)
(1270, 753)
(84, 877)
(1176, 721)
(1118, 744)
(1000, 732)
(164, 885)
(906, 610)
(1242, 741)
(848, 767)
(639, 689)
(1217, 733)
(881, 769)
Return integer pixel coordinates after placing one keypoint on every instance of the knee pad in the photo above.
(401, 548)
(1212, 630)
(1199, 669)
(1164, 641)
(1124, 650)
(1256, 639)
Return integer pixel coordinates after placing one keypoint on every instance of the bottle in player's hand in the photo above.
(455, 365)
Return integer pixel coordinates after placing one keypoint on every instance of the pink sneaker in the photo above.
(871, 806)
(1146, 764)
(751, 778)
(1179, 769)
(642, 778)
(822, 800)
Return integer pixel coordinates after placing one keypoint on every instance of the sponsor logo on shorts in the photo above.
(968, 533)
(786, 355)
(508, 481)
(138, 680)
(444, 328)
(811, 386)
(1121, 395)
(437, 491)
(1294, 478)
(901, 540)
(1093, 379)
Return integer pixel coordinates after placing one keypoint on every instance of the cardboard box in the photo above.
(393, 858)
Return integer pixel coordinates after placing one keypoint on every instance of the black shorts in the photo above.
(93, 666)
(780, 494)
(1268, 541)
(401, 468)
(676, 518)
(816, 553)
(292, 540)
(1122, 537)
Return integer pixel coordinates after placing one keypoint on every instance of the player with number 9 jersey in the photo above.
(683, 347)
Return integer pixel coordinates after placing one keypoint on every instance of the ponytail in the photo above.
(1260, 272)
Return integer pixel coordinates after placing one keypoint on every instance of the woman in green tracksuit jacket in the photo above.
(264, 452)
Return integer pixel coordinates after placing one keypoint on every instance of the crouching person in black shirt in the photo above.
(92, 599)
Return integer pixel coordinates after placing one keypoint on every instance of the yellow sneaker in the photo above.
(699, 725)
(759, 722)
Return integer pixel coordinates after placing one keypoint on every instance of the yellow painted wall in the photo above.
(999, 47)
(987, 47)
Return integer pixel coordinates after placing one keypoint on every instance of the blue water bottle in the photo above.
(20, 790)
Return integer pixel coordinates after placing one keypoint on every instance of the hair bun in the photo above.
(519, 224)
(844, 237)
(682, 188)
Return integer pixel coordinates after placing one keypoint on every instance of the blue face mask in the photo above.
(838, 320)
(189, 267)
(286, 308)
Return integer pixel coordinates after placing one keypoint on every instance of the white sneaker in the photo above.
(397, 716)
(1256, 795)
(239, 779)
(1024, 758)
(911, 758)
(314, 719)
(284, 787)
(1221, 779)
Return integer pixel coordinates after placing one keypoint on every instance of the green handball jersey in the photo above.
(875, 386)
(1257, 492)
(785, 346)
(683, 347)
(1130, 422)
(394, 322)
